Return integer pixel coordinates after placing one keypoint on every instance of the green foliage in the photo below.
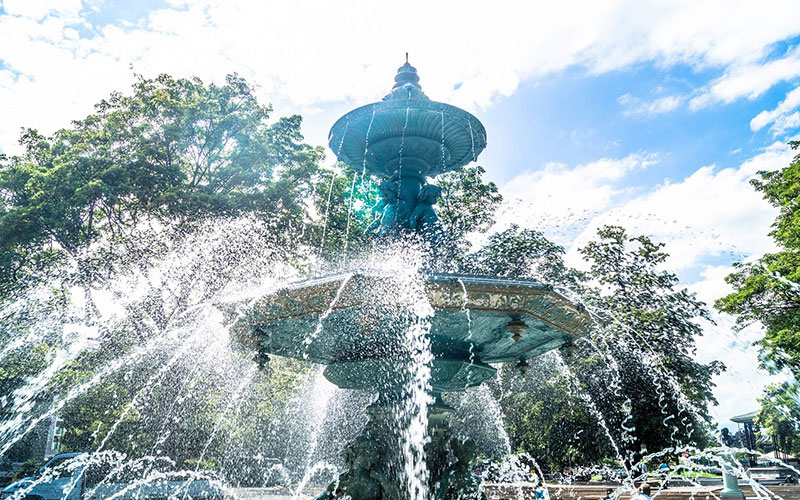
(467, 203)
(17, 367)
(519, 252)
(545, 419)
(343, 201)
(768, 290)
(649, 324)
(779, 416)
(28, 469)
(636, 367)
(175, 152)
(196, 464)
(116, 192)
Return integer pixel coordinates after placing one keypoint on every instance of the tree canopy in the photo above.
(779, 416)
(767, 291)
(172, 154)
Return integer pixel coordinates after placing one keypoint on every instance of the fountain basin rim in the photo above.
(448, 288)
(495, 284)
(451, 113)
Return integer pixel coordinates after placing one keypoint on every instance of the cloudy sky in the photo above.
(649, 114)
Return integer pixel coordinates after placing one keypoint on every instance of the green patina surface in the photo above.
(360, 324)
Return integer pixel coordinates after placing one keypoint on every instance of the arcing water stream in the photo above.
(190, 365)
(142, 371)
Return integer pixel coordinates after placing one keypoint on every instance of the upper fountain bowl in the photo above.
(407, 134)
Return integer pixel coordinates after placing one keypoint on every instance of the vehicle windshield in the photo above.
(112, 471)
(57, 468)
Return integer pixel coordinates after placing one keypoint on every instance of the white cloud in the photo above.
(39, 9)
(713, 213)
(634, 106)
(749, 80)
(306, 53)
(785, 124)
(781, 117)
(562, 199)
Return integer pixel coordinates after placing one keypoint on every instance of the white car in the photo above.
(107, 476)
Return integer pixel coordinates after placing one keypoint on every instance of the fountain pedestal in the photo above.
(730, 481)
(374, 465)
(358, 326)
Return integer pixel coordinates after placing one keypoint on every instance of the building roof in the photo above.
(746, 418)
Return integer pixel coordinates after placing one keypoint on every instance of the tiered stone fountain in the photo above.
(357, 323)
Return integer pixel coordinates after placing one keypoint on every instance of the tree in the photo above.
(649, 325)
(527, 253)
(174, 153)
(163, 172)
(779, 416)
(635, 368)
(467, 203)
(768, 291)
(546, 419)
(343, 201)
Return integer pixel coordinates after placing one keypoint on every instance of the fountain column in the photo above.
(730, 480)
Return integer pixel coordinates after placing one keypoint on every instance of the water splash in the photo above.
(414, 412)
(318, 328)
(471, 139)
(310, 474)
(592, 407)
(319, 396)
(402, 145)
(441, 146)
(466, 311)
(353, 185)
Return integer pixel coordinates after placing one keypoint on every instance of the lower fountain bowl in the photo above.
(368, 327)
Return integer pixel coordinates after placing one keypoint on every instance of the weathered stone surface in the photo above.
(358, 323)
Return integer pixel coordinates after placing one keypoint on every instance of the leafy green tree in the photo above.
(545, 418)
(17, 367)
(467, 203)
(768, 291)
(519, 252)
(343, 201)
(779, 416)
(146, 175)
(636, 368)
(173, 153)
(649, 324)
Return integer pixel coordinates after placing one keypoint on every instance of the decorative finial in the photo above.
(406, 83)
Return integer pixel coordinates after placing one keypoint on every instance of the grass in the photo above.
(693, 475)
(686, 474)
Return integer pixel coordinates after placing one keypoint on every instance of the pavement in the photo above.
(596, 492)
(525, 491)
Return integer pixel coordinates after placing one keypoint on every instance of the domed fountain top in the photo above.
(406, 84)
(407, 134)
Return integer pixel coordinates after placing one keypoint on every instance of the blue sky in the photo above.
(653, 115)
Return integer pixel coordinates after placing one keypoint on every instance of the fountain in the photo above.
(409, 338)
